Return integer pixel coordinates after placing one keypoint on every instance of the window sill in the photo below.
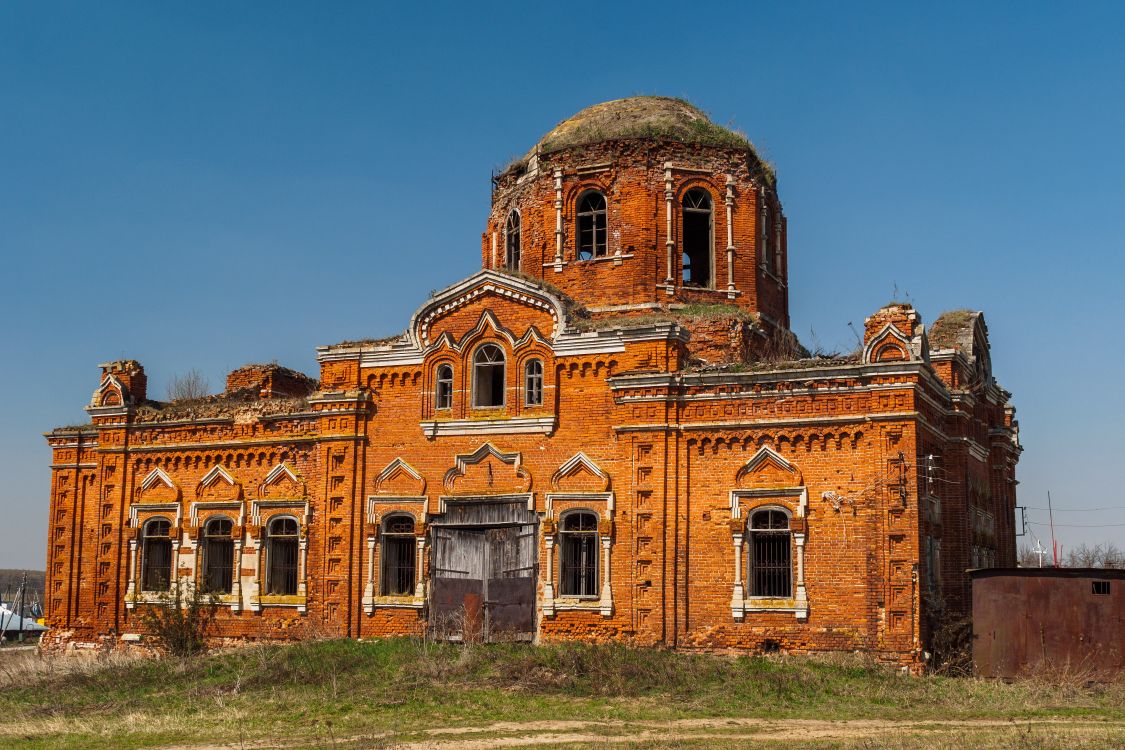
(574, 604)
(501, 425)
(370, 604)
(616, 260)
(798, 607)
(278, 600)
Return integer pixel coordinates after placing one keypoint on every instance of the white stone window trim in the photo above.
(133, 593)
(255, 547)
(499, 426)
(604, 603)
(371, 599)
(740, 604)
(234, 598)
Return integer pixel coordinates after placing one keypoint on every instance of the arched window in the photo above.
(591, 225)
(533, 383)
(697, 238)
(156, 555)
(398, 555)
(443, 396)
(578, 571)
(218, 556)
(512, 241)
(281, 557)
(488, 376)
(770, 556)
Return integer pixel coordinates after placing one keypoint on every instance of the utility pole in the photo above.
(1054, 544)
(19, 607)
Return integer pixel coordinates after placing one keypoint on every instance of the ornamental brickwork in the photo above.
(565, 445)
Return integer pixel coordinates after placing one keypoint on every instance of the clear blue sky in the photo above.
(200, 185)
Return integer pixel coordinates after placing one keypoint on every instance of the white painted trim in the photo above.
(508, 426)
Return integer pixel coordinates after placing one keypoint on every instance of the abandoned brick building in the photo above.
(606, 433)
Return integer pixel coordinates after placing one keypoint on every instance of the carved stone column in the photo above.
(558, 221)
(729, 200)
(369, 589)
(131, 588)
(549, 586)
(738, 594)
(419, 580)
(606, 602)
(669, 241)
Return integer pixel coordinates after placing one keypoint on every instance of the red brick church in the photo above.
(607, 433)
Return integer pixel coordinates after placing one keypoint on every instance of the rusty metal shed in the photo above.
(1026, 619)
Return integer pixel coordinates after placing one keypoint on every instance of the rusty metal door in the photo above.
(509, 603)
(483, 583)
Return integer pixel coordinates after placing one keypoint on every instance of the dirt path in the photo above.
(605, 733)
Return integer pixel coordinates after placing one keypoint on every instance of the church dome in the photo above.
(640, 117)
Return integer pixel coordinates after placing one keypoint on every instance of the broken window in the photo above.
(444, 395)
(281, 557)
(697, 238)
(218, 556)
(488, 376)
(764, 255)
(579, 569)
(591, 225)
(398, 555)
(1101, 588)
(533, 383)
(770, 555)
(512, 241)
(156, 555)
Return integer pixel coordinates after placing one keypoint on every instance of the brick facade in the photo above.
(677, 417)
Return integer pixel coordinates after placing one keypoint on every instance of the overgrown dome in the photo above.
(656, 117)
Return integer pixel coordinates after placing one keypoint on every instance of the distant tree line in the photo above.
(1105, 555)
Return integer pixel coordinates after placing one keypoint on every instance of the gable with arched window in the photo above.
(592, 226)
(156, 555)
(488, 376)
(697, 238)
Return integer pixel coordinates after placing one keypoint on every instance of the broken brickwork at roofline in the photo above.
(635, 481)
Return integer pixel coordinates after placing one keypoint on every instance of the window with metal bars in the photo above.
(578, 570)
(488, 376)
(443, 396)
(218, 556)
(281, 557)
(512, 241)
(591, 225)
(771, 559)
(533, 383)
(398, 556)
(156, 555)
(697, 238)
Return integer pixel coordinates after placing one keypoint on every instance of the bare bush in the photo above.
(181, 618)
(191, 385)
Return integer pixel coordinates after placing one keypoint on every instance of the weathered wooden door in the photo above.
(483, 583)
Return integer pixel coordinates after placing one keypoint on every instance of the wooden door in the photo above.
(483, 583)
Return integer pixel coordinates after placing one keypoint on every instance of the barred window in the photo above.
(444, 391)
(512, 241)
(398, 555)
(488, 376)
(533, 383)
(591, 225)
(579, 568)
(770, 554)
(218, 556)
(156, 555)
(281, 557)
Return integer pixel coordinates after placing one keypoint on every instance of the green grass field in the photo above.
(408, 693)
